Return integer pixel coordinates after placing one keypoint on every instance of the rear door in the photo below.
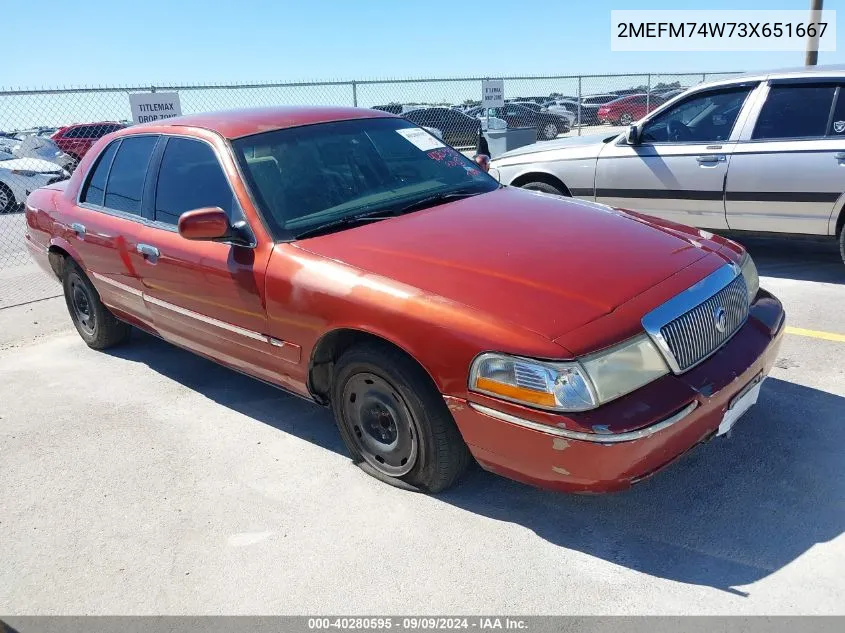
(205, 296)
(106, 224)
(678, 170)
(788, 168)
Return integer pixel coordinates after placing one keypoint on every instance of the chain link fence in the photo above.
(44, 133)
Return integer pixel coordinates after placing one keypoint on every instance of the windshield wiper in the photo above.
(349, 220)
(373, 216)
(438, 198)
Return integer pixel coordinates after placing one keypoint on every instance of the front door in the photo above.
(788, 169)
(677, 172)
(205, 296)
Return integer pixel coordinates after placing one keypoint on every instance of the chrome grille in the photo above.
(693, 336)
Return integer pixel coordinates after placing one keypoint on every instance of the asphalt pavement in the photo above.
(148, 480)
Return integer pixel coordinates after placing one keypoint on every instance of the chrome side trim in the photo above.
(207, 319)
(613, 438)
(257, 336)
(117, 284)
(681, 304)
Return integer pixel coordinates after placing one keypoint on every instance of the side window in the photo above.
(128, 172)
(794, 111)
(72, 132)
(190, 178)
(96, 188)
(837, 122)
(702, 118)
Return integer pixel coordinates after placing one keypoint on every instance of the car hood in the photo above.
(568, 142)
(543, 263)
(30, 164)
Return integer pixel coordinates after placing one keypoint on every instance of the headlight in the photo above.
(624, 367)
(24, 172)
(752, 279)
(569, 386)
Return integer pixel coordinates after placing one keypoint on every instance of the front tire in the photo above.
(394, 421)
(626, 119)
(98, 327)
(544, 187)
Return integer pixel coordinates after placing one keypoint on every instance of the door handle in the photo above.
(839, 155)
(78, 228)
(710, 158)
(148, 251)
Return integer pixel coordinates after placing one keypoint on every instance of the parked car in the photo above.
(393, 108)
(458, 128)
(76, 140)
(351, 258)
(626, 110)
(590, 105)
(531, 105)
(669, 94)
(35, 146)
(562, 106)
(762, 152)
(548, 124)
(21, 176)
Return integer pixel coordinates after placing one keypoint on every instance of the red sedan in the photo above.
(75, 140)
(626, 110)
(350, 257)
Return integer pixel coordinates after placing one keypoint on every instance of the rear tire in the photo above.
(98, 327)
(7, 199)
(394, 421)
(842, 244)
(544, 187)
(548, 131)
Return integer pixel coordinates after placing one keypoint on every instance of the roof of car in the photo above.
(832, 70)
(244, 122)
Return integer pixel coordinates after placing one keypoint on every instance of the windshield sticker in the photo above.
(420, 138)
(839, 127)
(447, 155)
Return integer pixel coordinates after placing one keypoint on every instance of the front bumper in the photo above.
(677, 413)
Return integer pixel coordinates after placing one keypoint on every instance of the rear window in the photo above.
(95, 191)
(796, 111)
(837, 121)
(128, 172)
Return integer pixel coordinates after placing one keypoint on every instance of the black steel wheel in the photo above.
(380, 424)
(82, 305)
(97, 326)
(394, 421)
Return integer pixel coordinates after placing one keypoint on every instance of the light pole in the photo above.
(811, 57)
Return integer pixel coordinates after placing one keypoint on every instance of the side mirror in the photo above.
(632, 136)
(210, 223)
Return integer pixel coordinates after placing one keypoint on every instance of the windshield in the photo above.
(310, 176)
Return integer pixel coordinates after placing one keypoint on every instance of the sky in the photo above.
(56, 43)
